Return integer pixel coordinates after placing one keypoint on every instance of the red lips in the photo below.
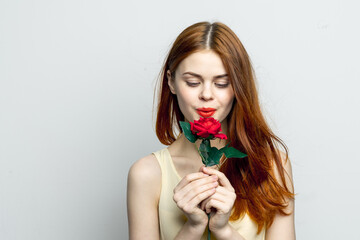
(206, 112)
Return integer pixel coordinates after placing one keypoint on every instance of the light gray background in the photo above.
(76, 90)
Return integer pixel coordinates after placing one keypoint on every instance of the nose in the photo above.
(206, 93)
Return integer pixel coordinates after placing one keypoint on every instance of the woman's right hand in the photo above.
(190, 192)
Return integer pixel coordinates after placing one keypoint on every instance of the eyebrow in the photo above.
(199, 76)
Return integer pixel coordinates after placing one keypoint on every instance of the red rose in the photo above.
(206, 126)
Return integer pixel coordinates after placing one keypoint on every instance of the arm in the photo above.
(189, 232)
(283, 227)
(143, 191)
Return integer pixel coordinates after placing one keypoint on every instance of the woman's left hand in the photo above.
(222, 200)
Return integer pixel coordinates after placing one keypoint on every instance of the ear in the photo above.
(170, 82)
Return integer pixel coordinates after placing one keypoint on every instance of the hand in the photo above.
(190, 192)
(222, 201)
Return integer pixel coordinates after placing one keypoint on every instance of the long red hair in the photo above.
(258, 192)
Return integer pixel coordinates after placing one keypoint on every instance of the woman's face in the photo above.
(202, 87)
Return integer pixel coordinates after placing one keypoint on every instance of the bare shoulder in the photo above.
(143, 192)
(147, 165)
(283, 226)
(287, 170)
(145, 172)
(285, 173)
(286, 162)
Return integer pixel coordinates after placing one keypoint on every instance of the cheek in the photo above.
(186, 100)
(185, 97)
(183, 103)
(227, 98)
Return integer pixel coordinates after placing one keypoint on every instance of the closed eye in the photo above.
(192, 84)
(222, 85)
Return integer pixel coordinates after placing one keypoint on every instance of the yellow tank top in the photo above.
(171, 218)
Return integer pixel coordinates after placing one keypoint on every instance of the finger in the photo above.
(222, 178)
(193, 191)
(218, 205)
(220, 195)
(204, 202)
(228, 198)
(222, 191)
(202, 196)
(200, 185)
(192, 205)
(189, 178)
(195, 188)
(213, 204)
(216, 167)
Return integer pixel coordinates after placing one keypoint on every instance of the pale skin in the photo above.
(200, 81)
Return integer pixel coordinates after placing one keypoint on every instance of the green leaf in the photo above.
(205, 145)
(214, 156)
(185, 126)
(204, 157)
(231, 152)
(204, 150)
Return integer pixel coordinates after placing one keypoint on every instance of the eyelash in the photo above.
(222, 85)
(219, 85)
(192, 84)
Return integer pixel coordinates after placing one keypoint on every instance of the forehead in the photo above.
(205, 63)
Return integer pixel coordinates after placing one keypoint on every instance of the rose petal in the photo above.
(204, 134)
(199, 128)
(221, 136)
(206, 126)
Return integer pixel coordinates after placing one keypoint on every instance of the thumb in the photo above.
(214, 167)
(201, 168)
(211, 167)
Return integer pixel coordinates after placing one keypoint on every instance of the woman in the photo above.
(208, 74)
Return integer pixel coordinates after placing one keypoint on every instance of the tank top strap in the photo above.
(169, 176)
(171, 219)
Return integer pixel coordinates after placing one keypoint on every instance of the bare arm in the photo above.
(143, 191)
(283, 227)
